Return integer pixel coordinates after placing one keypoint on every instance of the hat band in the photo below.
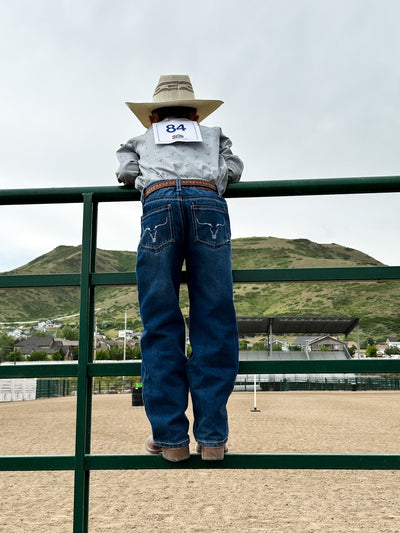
(169, 86)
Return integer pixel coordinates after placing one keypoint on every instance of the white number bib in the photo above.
(176, 130)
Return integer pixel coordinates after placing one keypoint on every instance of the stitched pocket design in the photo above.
(211, 225)
(157, 229)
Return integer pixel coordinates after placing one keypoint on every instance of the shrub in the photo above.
(102, 355)
(38, 355)
(15, 356)
(57, 356)
(371, 351)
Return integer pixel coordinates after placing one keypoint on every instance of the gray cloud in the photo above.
(310, 88)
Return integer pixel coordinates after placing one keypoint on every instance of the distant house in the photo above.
(327, 342)
(15, 334)
(38, 344)
(303, 341)
(69, 348)
(380, 349)
(283, 344)
(119, 344)
(392, 342)
(45, 324)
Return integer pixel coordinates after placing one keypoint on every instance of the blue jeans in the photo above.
(191, 225)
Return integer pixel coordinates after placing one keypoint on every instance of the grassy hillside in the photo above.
(376, 303)
(35, 304)
(271, 252)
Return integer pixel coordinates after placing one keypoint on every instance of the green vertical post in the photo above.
(84, 388)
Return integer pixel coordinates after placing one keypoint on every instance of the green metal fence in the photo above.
(85, 370)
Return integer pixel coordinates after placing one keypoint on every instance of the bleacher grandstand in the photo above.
(320, 341)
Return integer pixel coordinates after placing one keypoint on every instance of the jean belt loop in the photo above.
(178, 185)
(141, 196)
(219, 191)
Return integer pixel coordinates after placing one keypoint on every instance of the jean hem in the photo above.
(212, 444)
(180, 444)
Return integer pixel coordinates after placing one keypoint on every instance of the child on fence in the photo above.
(182, 170)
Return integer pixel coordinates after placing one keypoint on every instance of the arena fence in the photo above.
(86, 370)
(56, 388)
(60, 387)
(318, 383)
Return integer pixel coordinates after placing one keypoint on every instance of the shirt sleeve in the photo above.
(128, 169)
(233, 162)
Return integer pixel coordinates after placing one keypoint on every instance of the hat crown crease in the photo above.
(173, 89)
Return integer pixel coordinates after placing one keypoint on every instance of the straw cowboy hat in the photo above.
(173, 91)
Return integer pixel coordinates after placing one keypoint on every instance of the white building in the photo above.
(128, 333)
(15, 334)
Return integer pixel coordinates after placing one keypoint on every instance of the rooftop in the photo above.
(296, 325)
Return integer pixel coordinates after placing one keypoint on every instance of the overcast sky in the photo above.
(311, 90)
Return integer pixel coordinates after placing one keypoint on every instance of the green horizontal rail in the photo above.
(362, 366)
(245, 189)
(47, 370)
(250, 276)
(311, 187)
(272, 461)
(133, 368)
(317, 274)
(271, 367)
(15, 463)
(39, 280)
(275, 275)
(252, 461)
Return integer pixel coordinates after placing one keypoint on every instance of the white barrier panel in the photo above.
(12, 390)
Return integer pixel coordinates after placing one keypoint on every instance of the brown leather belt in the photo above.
(185, 183)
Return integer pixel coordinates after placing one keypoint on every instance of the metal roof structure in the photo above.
(281, 325)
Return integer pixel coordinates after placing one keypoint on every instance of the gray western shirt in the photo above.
(143, 162)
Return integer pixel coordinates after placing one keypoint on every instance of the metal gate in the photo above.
(83, 461)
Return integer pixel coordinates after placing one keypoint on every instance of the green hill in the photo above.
(271, 252)
(374, 302)
(30, 304)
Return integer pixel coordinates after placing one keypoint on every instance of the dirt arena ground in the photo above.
(233, 501)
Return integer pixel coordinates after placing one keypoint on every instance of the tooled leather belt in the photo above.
(185, 183)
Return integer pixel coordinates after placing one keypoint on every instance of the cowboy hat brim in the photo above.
(143, 110)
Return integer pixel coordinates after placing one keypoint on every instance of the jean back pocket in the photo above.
(211, 225)
(157, 229)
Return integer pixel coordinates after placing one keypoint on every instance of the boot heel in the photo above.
(213, 453)
(175, 455)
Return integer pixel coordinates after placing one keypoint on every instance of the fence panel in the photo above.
(82, 462)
